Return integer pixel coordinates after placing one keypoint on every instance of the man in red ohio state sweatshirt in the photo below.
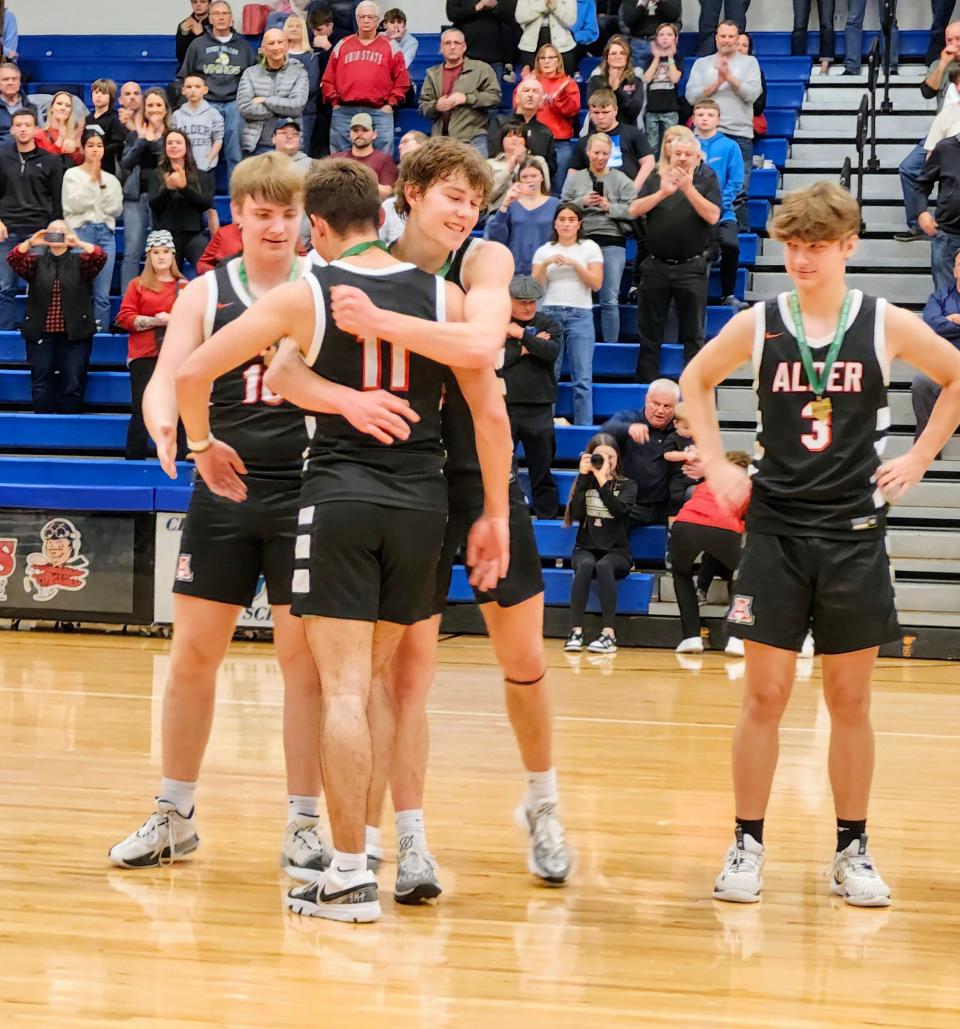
(366, 72)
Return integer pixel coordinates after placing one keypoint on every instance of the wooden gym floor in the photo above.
(642, 746)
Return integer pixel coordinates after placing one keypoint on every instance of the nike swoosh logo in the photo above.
(229, 303)
(772, 335)
(324, 897)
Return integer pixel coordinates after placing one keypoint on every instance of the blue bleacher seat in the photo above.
(788, 95)
(619, 361)
(102, 387)
(714, 286)
(107, 350)
(759, 212)
(764, 183)
(781, 122)
(77, 498)
(20, 430)
(772, 150)
(53, 471)
(608, 397)
(555, 540)
(913, 43)
(786, 69)
(409, 118)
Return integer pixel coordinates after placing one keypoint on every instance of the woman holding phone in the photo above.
(506, 165)
(524, 218)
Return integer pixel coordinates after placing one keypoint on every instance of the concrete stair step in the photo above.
(933, 597)
(901, 374)
(868, 250)
(906, 76)
(904, 97)
(864, 262)
(831, 155)
(739, 401)
(889, 126)
(876, 186)
(899, 289)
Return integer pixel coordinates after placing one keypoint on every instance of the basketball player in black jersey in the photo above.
(372, 517)
(230, 540)
(815, 553)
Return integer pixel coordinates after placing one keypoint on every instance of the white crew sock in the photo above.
(372, 842)
(301, 807)
(181, 794)
(410, 823)
(344, 865)
(542, 788)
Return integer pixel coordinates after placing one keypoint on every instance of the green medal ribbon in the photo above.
(362, 248)
(818, 383)
(242, 273)
(443, 269)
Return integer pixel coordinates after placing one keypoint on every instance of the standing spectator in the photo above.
(704, 526)
(507, 164)
(341, 13)
(58, 324)
(527, 100)
(733, 80)
(203, 126)
(141, 152)
(571, 268)
(458, 95)
(560, 106)
(195, 24)
(604, 194)
(275, 87)
(144, 313)
(547, 21)
(617, 73)
(298, 37)
(179, 197)
(92, 201)
(942, 169)
(722, 155)
(489, 27)
(221, 56)
(103, 93)
(853, 32)
(661, 76)
(680, 203)
(524, 218)
(130, 111)
(641, 21)
(587, 30)
(942, 314)
(734, 11)
(643, 437)
(529, 375)
(362, 137)
(62, 131)
(601, 501)
(942, 13)
(320, 24)
(31, 188)
(11, 101)
(798, 38)
(11, 36)
(365, 72)
(631, 151)
(392, 225)
(395, 29)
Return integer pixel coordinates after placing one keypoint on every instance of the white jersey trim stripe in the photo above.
(320, 320)
(210, 311)
(880, 341)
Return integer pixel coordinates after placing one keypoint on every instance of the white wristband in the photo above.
(199, 446)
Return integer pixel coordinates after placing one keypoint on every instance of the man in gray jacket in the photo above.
(459, 95)
(275, 88)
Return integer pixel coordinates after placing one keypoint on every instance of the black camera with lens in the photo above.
(596, 460)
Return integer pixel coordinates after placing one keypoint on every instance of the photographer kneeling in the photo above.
(600, 501)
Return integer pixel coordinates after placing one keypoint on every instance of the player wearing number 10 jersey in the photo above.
(815, 553)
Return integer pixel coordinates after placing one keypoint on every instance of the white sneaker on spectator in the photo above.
(691, 645)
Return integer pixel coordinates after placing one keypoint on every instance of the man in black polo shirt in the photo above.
(943, 167)
(680, 202)
(527, 98)
(631, 151)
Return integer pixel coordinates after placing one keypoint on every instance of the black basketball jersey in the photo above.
(343, 463)
(268, 433)
(814, 476)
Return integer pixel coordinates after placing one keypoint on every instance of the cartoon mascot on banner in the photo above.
(59, 565)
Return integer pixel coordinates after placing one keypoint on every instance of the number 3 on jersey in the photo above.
(822, 435)
(372, 365)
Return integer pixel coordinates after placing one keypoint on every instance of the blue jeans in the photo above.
(733, 10)
(565, 148)
(231, 133)
(853, 32)
(640, 51)
(655, 124)
(914, 200)
(103, 236)
(136, 225)
(481, 144)
(614, 259)
(9, 283)
(340, 128)
(740, 208)
(943, 252)
(578, 343)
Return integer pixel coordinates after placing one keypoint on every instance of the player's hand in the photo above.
(220, 468)
(729, 484)
(896, 476)
(639, 433)
(488, 551)
(353, 311)
(281, 360)
(165, 438)
(380, 414)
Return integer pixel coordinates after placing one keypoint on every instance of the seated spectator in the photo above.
(942, 169)
(604, 195)
(547, 21)
(524, 219)
(11, 36)
(745, 46)
(489, 28)
(62, 131)
(641, 21)
(92, 202)
(643, 437)
(571, 268)
(527, 100)
(853, 33)
(560, 106)
(392, 225)
(942, 314)
(458, 95)
(144, 313)
(203, 125)
(179, 197)
(529, 375)
(287, 139)
(225, 243)
(681, 452)
(631, 151)
(680, 204)
(58, 323)
(103, 92)
(601, 501)
(382, 165)
(395, 29)
(31, 189)
(11, 101)
(704, 526)
(130, 110)
(506, 165)
(195, 24)
(276, 87)
(617, 73)
(298, 37)
(662, 74)
(320, 25)
(798, 38)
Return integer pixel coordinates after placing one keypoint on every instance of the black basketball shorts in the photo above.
(226, 546)
(788, 585)
(365, 562)
(524, 578)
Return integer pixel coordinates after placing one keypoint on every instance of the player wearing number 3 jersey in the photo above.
(815, 554)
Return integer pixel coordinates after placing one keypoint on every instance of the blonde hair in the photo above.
(301, 23)
(738, 457)
(148, 277)
(680, 414)
(599, 137)
(271, 178)
(822, 213)
(674, 134)
(74, 125)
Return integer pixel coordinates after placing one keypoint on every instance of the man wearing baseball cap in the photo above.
(287, 137)
(362, 135)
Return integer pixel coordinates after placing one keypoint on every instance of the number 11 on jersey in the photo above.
(373, 372)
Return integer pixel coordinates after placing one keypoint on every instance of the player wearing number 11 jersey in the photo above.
(815, 553)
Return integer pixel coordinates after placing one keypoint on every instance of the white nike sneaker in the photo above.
(416, 872)
(740, 881)
(166, 836)
(691, 645)
(303, 856)
(854, 877)
(549, 856)
(341, 897)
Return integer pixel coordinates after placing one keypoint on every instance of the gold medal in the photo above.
(821, 408)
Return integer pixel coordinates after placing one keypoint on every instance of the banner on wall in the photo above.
(169, 526)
